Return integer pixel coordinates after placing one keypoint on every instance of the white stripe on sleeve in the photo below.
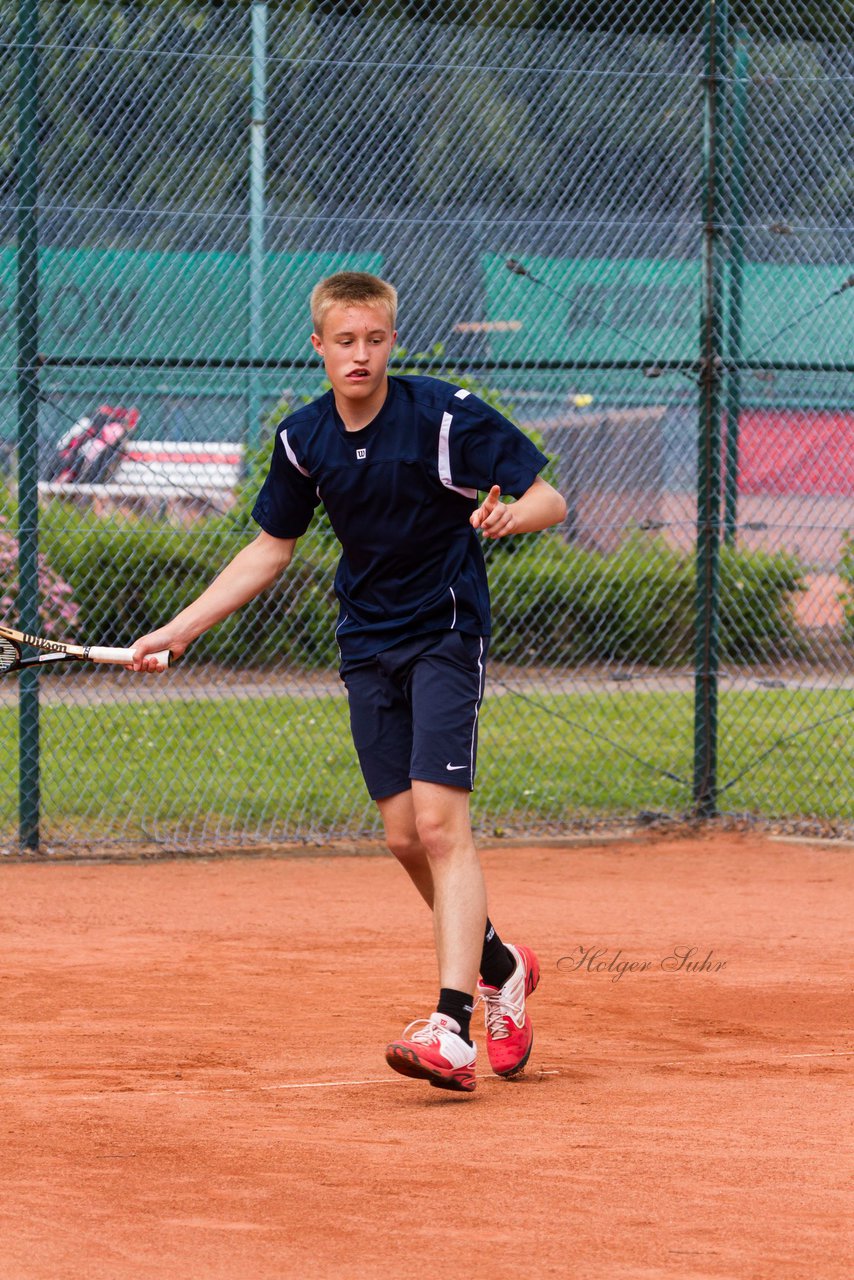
(445, 459)
(292, 458)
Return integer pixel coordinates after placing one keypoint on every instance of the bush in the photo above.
(846, 573)
(130, 578)
(554, 603)
(757, 606)
(58, 614)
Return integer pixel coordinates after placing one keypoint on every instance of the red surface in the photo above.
(182, 455)
(788, 451)
(194, 1082)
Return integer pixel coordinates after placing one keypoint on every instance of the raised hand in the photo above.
(494, 518)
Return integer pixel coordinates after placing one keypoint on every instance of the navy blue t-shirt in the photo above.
(399, 494)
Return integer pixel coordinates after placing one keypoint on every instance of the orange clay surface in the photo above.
(194, 1084)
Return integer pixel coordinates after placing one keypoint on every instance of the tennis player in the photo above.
(398, 463)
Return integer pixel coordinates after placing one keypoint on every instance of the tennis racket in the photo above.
(12, 659)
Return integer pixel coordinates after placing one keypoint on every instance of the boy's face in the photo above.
(355, 344)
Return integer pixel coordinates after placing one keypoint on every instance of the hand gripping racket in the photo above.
(11, 655)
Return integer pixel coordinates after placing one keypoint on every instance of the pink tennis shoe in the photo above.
(509, 1034)
(435, 1051)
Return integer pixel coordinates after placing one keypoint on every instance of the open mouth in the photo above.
(357, 374)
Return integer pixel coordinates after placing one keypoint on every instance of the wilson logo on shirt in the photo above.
(361, 453)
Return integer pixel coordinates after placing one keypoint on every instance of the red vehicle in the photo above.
(89, 452)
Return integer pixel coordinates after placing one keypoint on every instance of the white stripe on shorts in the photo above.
(477, 709)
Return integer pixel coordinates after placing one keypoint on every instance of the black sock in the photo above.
(457, 1005)
(496, 963)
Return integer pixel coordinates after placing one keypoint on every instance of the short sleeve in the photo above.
(485, 448)
(288, 497)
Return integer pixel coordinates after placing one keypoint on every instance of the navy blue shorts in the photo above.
(414, 711)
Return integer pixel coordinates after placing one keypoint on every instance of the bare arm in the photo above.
(253, 569)
(538, 508)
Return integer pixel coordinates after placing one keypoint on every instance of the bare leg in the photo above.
(401, 834)
(459, 894)
(453, 864)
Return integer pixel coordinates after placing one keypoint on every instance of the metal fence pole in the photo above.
(736, 281)
(707, 602)
(27, 315)
(256, 216)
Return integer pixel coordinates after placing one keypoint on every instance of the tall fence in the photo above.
(631, 230)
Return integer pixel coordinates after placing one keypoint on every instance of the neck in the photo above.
(356, 414)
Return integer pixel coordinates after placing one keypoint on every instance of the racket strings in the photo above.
(9, 654)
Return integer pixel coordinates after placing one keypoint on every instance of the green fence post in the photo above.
(736, 282)
(707, 600)
(27, 317)
(257, 179)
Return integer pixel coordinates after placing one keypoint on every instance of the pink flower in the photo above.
(57, 610)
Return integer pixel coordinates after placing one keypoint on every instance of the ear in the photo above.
(317, 343)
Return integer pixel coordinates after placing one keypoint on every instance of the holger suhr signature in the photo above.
(681, 959)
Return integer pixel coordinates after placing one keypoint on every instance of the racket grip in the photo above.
(124, 657)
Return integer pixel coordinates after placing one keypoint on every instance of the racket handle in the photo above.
(124, 657)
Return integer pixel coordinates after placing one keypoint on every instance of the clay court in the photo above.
(195, 1083)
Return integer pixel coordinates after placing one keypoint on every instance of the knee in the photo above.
(406, 847)
(436, 834)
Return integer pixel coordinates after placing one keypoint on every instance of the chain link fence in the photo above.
(631, 230)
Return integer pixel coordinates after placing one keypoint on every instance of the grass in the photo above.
(217, 772)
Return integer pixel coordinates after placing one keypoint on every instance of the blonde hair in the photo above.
(352, 289)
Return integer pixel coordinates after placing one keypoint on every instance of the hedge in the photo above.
(846, 573)
(130, 578)
(553, 603)
(558, 604)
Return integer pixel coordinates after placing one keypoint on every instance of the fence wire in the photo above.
(557, 191)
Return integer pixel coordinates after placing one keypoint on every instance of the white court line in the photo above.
(846, 1053)
(262, 1088)
(749, 1061)
(491, 1080)
(643, 1062)
(323, 1084)
(343, 1084)
(258, 1088)
(315, 1084)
